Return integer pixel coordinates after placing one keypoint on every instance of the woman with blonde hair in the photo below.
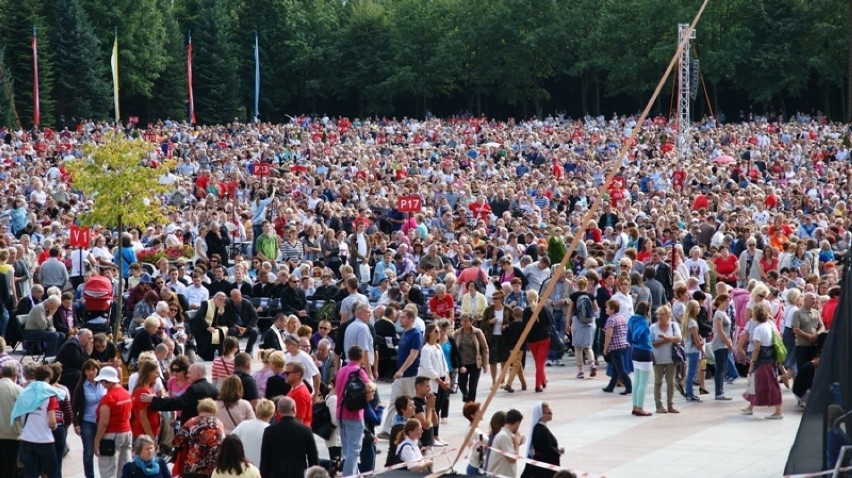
(538, 340)
(583, 327)
(198, 441)
(693, 344)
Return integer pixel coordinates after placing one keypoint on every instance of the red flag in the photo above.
(189, 80)
(36, 108)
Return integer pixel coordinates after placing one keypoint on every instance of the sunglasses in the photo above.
(177, 370)
(286, 372)
(324, 328)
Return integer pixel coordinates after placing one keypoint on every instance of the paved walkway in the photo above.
(601, 437)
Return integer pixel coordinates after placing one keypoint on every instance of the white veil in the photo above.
(537, 413)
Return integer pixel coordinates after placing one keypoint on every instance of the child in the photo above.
(224, 365)
(511, 336)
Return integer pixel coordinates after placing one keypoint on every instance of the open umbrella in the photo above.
(492, 144)
(724, 159)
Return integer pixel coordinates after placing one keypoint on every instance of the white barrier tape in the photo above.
(537, 463)
(401, 465)
(822, 473)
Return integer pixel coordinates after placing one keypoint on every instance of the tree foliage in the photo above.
(125, 191)
(406, 57)
(81, 89)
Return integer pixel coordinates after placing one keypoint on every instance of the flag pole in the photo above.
(114, 65)
(189, 78)
(256, 78)
(36, 101)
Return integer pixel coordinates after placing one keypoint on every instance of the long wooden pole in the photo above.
(577, 237)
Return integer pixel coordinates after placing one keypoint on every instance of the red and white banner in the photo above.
(36, 102)
(189, 80)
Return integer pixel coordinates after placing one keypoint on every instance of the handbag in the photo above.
(750, 385)
(678, 353)
(107, 447)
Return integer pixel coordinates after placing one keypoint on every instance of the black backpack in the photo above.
(394, 458)
(355, 393)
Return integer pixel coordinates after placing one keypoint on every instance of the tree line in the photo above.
(410, 57)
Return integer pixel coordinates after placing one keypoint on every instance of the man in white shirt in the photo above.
(537, 273)
(295, 353)
(196, 293)
(507, 440)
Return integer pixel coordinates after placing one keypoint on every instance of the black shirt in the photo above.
(249, 385)
(420, 407)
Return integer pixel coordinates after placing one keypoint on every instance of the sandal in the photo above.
(747, 411)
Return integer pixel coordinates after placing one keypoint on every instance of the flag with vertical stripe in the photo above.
(36, 102)
(256, 78)
(189, 80)
(114, 64)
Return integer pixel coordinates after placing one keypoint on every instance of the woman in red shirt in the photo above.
(727, 266)
(145, 421)
(768, 262)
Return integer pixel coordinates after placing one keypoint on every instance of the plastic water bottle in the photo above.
(215, 354)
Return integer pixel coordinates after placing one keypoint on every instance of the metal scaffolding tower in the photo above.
(683, 94)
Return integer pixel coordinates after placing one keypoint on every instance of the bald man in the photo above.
(241, 319)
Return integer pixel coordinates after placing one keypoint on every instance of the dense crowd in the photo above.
(290, 238)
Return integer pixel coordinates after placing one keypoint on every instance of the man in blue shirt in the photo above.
(407, 363)
(258, 215)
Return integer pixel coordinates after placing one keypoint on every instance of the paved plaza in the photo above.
(602, 438)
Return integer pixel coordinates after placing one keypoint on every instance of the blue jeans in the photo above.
(559, 324)
(60, 438)
(368, 456)
(790, 344)
(87, 436)
(691, 372)
(38, 458)
(351, 435)
(473, 471)
(4, 320)
(732, 371)
(51, 340)
(617, 361)
(721, 357)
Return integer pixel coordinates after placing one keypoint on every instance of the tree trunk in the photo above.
(596, 105)
(716, 96)
(116, 326)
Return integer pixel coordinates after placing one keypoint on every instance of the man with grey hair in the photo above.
(39, 327)
(359, 333)
(316, 472)
(188, 402)
(288, 447)
(9, 432)
(807, 326)
(72, 354)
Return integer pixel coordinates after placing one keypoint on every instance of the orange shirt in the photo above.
(304, 404)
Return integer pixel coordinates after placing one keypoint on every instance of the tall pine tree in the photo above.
(81, 89)
(214, 66)
(16, 28)
(170, 100)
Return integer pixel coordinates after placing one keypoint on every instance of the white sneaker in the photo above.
(439, 443)
(548, 363)
(560, 363)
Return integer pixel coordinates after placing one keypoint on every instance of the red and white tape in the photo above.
(530, 461)
(399, 466)
(822, 473)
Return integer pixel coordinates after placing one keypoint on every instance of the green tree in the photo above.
(16, 33)
(81, 90)
(171, 86)
(216, 84)
(366, 57)
(556, 249)
(141, 41)
(126, 192)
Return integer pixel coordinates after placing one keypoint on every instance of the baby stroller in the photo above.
(97, 305)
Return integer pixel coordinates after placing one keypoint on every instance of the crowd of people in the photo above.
(298, 239)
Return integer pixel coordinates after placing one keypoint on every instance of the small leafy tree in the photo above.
(556, 249)
(126, 192)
